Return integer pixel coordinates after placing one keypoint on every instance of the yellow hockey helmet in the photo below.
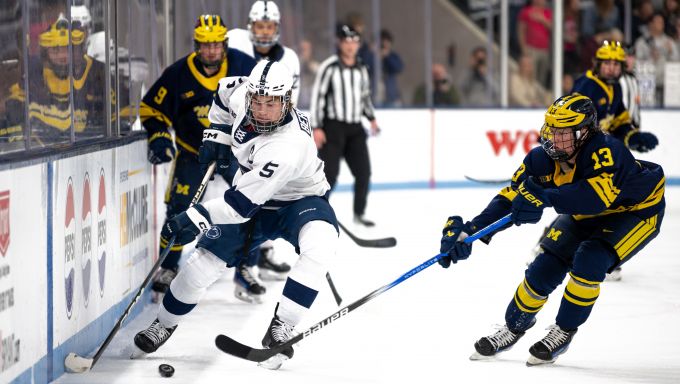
(575, 113)
(210, 29)
(610, 51)
(57, 34)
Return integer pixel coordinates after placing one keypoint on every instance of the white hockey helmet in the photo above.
(269, 78)
(80, 13)
(264, 10)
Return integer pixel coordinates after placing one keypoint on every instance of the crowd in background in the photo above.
(470, 80)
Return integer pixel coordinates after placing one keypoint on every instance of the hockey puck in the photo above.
(166, 370)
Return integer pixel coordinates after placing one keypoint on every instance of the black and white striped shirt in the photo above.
(631, 97)
(341, 93)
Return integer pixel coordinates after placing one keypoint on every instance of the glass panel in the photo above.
(136, 63)
(89, 70)
(401, 50)
(531, 70)
(124, 39)
(12, 96)
(49, 82)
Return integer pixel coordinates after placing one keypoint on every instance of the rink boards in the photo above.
(77, 234)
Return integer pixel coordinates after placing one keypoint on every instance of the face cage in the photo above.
(562, 154)
(263, 43)
(269, 126)
(210, 64)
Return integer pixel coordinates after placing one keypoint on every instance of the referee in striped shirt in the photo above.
(340, 97)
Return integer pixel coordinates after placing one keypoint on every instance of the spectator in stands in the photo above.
(477, 87)
(525, 90)
(392, 65)
(534, 29)
(444, 93)
(671, 13)
(603, 15)
(572, 35)
(61, 83)
(657, 48)
(308, 68)
(641, 15)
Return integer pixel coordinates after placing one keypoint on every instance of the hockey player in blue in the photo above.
(180, 99)
(601, 85)
(610, 206)
(279, 191)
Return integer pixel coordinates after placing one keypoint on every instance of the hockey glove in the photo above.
(216, 147)
(642, 141)
(187, 225)
(452, 241)
(528, 205)
(161, 149)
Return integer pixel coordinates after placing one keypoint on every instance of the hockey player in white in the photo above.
(261, 41)
(279, 191)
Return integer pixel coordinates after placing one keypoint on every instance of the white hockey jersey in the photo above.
(274, 168)
(240, 39)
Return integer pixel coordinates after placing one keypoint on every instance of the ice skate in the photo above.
(150, 339)
(487, 347)
(555, 343)
(269, 269)
(278, 333)
(162, 279)
(246, 286)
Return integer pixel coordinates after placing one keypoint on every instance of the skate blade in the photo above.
(476, 356)
(272, 276)
(273, 362)
(136, 353)
(533, 361)
(251, 299)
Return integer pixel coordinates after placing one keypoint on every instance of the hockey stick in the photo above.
(386, 242)
(234, 348)
(338, 299)
(78, 364)
(488, 181)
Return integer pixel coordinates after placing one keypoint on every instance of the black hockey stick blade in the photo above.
(488, 181)
(386, 242)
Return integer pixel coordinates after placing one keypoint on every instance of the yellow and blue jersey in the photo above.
(605, 180)
(49, 104)
(182, 96)
(612, 115)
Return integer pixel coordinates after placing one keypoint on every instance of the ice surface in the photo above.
(423, 330)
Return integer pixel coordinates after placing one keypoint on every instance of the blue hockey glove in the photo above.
(528, 205)
(187, 225)
(216, 147)
(452, 241)
(161, 149)
(642, 141)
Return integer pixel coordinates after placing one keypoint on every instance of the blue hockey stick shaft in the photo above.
(237, 349)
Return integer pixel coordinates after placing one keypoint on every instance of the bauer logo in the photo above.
(69, 247)
(101, 231)
(86, 240)
(4, 222)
